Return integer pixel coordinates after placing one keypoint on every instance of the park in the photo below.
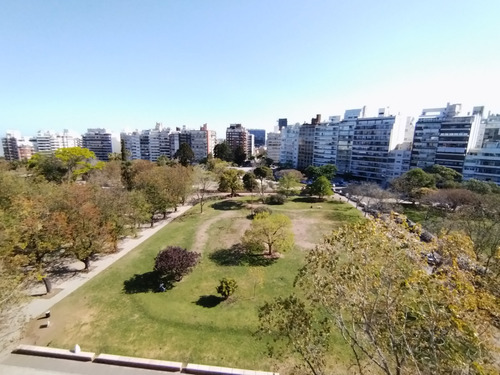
(121, 311)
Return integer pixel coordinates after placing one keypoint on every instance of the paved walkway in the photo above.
(38, 306)
(18, 364)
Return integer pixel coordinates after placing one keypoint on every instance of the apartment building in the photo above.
(289, 150)
(274, 146)
(259, 137)
(444, 136)
(100, 142)
(483, 163)
(326, 142)
(374, 138)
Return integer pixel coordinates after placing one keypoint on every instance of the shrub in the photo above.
(262, 209)
(276, 199)
(174, 262)
(227, 287)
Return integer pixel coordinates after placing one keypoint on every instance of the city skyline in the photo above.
(125, 65)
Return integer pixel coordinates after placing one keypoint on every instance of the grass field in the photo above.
(117, 312)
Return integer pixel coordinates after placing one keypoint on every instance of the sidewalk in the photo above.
(39, 306)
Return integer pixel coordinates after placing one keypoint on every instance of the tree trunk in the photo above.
(86, 261)
(48, 284)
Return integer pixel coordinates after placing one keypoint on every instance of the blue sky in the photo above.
(127, 64)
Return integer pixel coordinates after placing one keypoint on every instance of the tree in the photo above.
(410, 183)
(184, 154)
(289, 181)
(230, 180)
(249, 182)
(178, 182)
(40, 229)
(78, 161)
(226, 287)
(445, 177)
(90, 231)
(174, 262)
(152, 183)
(263, 173)
(480, 221)
(203, 179)
(239, 155)
(451, 198)
(327, 170)
(476, 186)
(290, 323)
(371, 281)
(321, 187)
(271, 231)
(48, 166)
(223, 151)
(109, 176)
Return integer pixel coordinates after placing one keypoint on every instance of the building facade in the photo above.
(274, 146)
(259, 137)
(374, 139)
(483, 163)
(100, 142)
(326, 142)
(442, 136)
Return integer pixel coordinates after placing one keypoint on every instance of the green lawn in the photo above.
(189, 323)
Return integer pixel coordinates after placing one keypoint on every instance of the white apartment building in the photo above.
(289, 151)
(326, 141)
(443, 136)
(48, 141)
(374, 138)
(132, 144)
(345, 139)
(273, 146)
(483, 163)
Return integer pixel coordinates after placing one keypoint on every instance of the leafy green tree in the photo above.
(227, 287)
(230, 180)
(327, 170)
(287, 324)
(249, 182)
(445, 177)
(477, 186)
(271, 231)
(239, 155)
(48, 166)
(410, 183)
(289, 181)
(372, 283)
(321, 187)
(263, 173)
(78, 161)
(223, 151)
(184, 154)
(151, 182)
(178, 182)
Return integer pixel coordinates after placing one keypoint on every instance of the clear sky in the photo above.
(122, 64)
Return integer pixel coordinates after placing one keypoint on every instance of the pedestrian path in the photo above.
(38, 306)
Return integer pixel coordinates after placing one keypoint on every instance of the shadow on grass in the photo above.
(308, 200)
(145, 283)
(236, 255)
(228, 205)
(209, 301)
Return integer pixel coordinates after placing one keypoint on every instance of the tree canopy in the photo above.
(405, 306)
(271, 231)
(223, 151)
(184, 154)
(327, 170)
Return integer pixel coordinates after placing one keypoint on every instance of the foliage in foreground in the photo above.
(396, 307)
(174, 262)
